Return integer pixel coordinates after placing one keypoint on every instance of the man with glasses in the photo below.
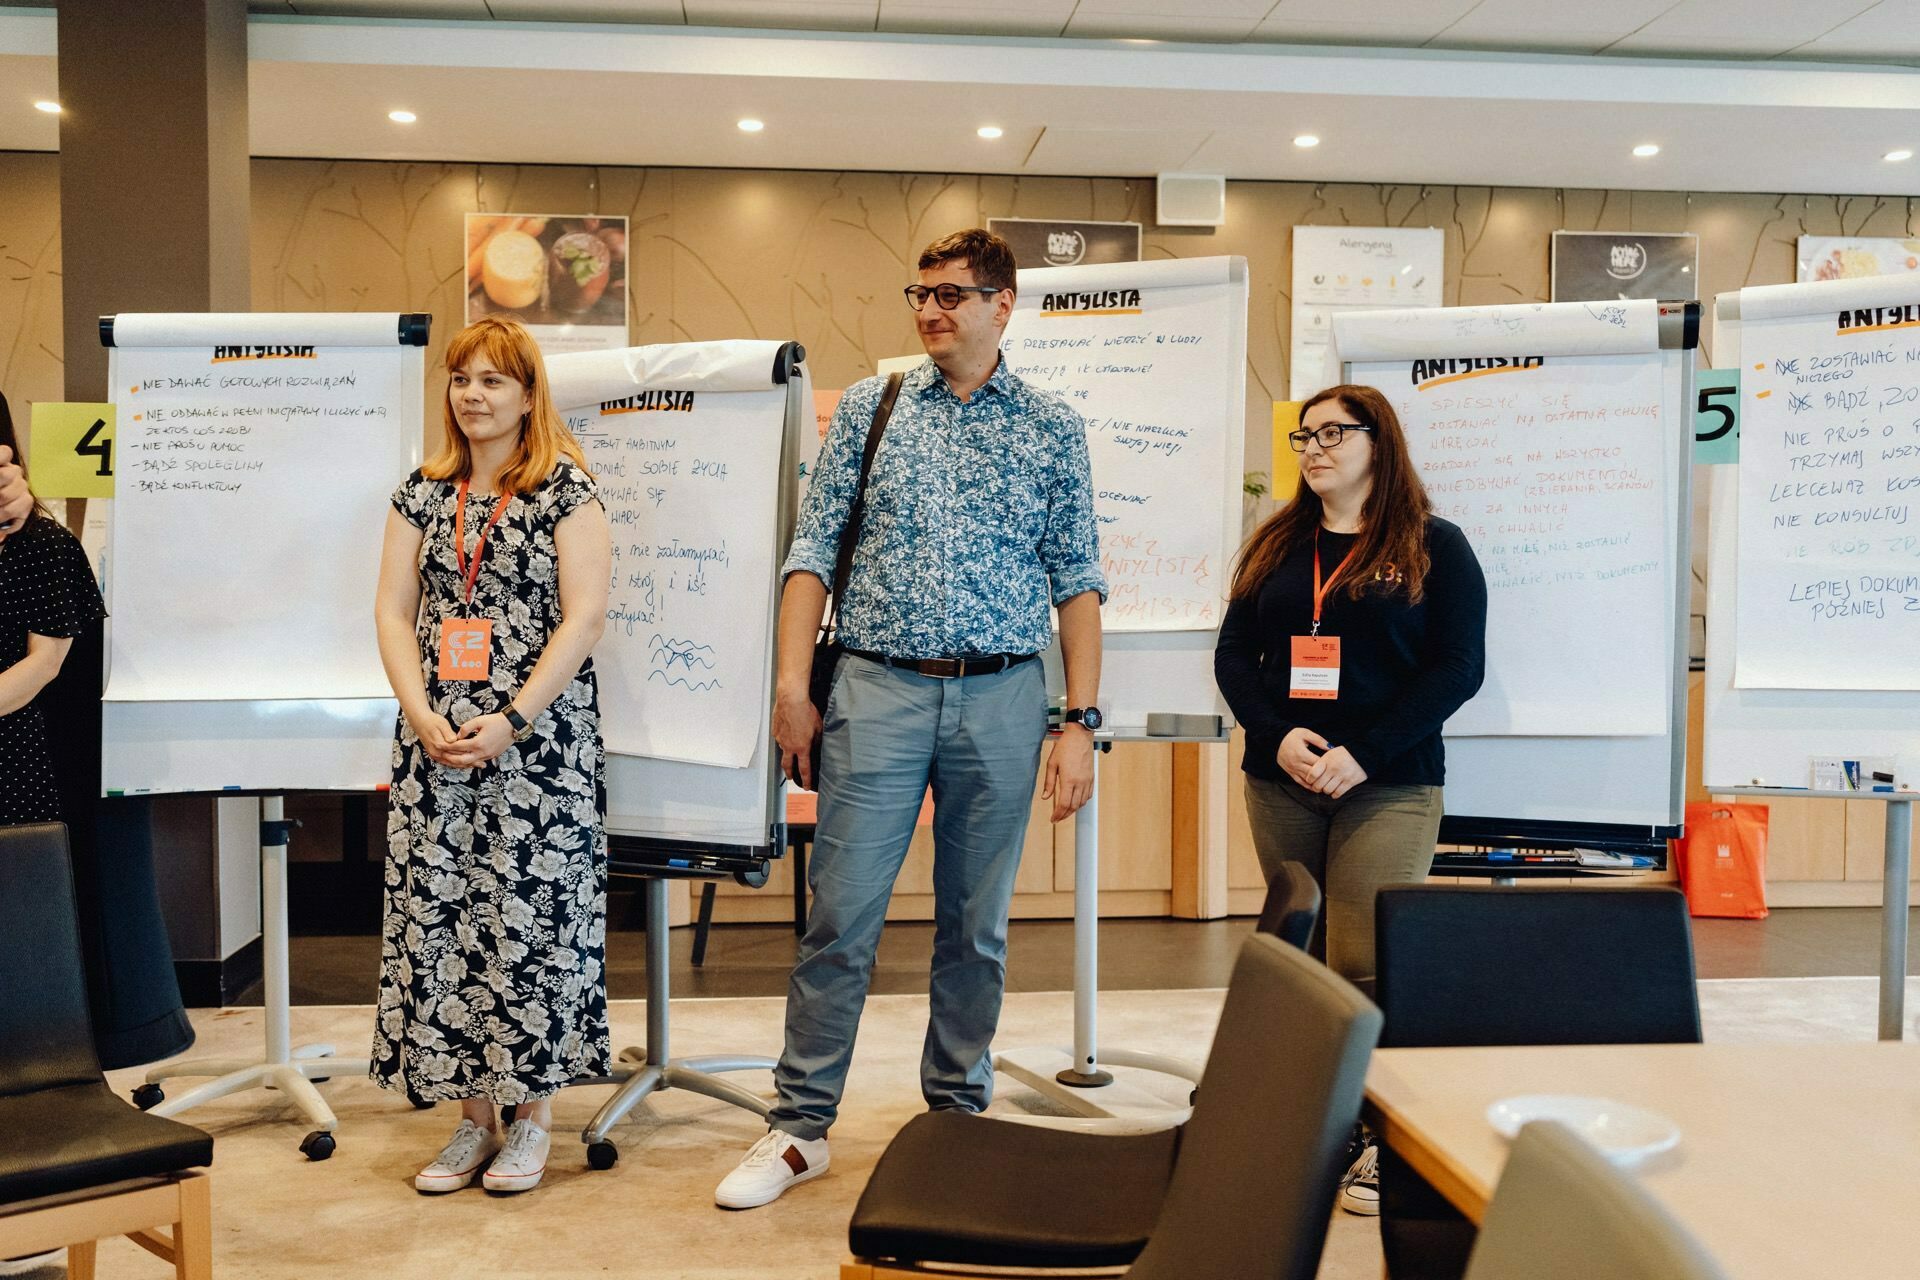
(978, 516)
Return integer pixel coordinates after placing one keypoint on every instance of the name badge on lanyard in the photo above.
(466, 644)
(1316, 658)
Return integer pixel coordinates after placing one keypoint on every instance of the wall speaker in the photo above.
(1191, 199)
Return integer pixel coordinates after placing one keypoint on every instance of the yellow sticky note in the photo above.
(70, 452)
(1286, 463)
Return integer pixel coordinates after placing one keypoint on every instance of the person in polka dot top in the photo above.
(47, 597)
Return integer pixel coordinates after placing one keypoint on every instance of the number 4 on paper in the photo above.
(71, 450)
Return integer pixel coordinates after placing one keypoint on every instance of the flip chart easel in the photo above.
(1558, 437)
(243, 421)
(1810, 525)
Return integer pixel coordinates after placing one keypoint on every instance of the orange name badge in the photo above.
(1316, 667)
(466, 648)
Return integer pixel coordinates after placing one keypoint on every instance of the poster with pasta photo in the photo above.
(563, 276)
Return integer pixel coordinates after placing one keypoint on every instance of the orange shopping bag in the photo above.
(1723, 860)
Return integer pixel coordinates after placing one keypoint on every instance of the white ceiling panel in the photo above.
(942, 20)
(1435, 14)
(1888, 30)
(474, 10)
(1719, 28)
(1143, 26)
(1576, 25)
(1405, 34)
(1252, 10)
(806, 15)
(1131, 152)
(653, 11)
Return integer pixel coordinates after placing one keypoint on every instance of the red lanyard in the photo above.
(1320, 592)
(472, 568)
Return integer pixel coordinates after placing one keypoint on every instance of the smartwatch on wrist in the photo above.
(1088, 718)
(519, 722)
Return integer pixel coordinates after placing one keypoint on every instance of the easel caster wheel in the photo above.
(318, 1145)
(508, 1112)
(149, 1096)
(602, 1155)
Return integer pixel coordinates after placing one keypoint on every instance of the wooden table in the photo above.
(1794, 1160)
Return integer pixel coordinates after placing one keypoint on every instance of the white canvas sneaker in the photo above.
(522, 1160)
(1360, 1189)
(465, 1153)
(771, 1165)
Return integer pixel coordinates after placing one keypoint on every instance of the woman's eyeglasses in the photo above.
(1329, 434)
(947, 295)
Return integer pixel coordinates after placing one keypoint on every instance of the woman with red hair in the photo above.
(493, 591)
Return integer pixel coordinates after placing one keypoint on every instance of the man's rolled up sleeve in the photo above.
(1070, 548)
(836, 473)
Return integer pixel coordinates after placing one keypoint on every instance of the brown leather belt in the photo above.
(949, 668)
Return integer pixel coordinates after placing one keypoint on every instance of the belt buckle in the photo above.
(944, 668)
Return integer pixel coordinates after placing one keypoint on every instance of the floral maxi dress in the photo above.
(492, 956)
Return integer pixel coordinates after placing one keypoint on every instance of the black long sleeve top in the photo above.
(1404, 668)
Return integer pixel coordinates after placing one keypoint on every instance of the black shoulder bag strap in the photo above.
(827, 648)
(857, 510)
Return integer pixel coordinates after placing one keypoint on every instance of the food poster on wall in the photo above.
(1608, 266)
(563, 276)
(1043, 242)
(1845, 257)
(1339, 269)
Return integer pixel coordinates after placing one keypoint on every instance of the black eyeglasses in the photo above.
(947, 295)
(1329, 434)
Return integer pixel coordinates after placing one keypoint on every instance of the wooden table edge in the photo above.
(1450, 1178)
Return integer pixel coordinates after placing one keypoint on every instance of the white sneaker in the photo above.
(522, 1160)
(458, 1162)
(773, 1164)
(1360, 1189)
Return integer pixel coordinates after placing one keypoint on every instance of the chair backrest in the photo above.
(1259, 1162)
(1561, 1212)
(46, 1034)
(1466, 965)
(1292, 907)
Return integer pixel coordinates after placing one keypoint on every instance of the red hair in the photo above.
(544, 438)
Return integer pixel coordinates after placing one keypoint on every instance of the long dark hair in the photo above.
(1393, 520)
(11, 440)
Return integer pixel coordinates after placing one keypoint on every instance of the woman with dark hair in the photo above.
(493, 590)
(47, 597)
(1356, 625)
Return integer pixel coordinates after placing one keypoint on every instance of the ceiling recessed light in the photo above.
(752, 126)
(1646, 149)
(47, 105)
(1306, 140)
(1901, 154)
(402, 117)
(989, 131)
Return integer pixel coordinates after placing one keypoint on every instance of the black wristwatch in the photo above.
(1088, 718)
(518, 721)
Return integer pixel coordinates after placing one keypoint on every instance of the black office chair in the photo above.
(1474, 965)
(1292, 908)
(68, 1139)
(1243, 1189)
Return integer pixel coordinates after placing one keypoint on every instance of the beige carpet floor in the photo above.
(278, 1215)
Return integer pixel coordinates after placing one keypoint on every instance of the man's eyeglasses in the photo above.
(1329, 434)
(947, 295)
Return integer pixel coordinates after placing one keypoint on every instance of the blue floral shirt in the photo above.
(979, 515)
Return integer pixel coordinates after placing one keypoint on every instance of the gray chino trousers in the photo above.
(890, 734)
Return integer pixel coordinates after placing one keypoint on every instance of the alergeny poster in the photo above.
(1606, 266)
(563, 276)
(1844, 257)
(1354, 269)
